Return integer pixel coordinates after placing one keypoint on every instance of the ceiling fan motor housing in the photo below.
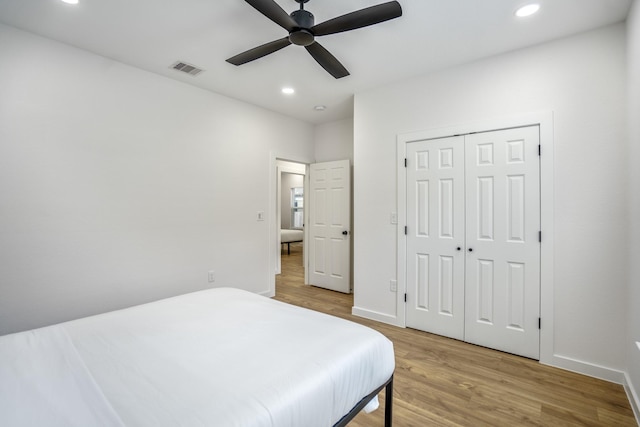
(302, 36)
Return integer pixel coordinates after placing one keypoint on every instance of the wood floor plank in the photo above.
(444, 382)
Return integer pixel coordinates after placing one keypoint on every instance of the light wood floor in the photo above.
(444, 382)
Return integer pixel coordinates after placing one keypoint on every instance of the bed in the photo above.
(289, 236)
(219, 357)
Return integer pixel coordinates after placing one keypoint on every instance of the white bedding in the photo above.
(43, 382)
(220, 357)
(287, 236)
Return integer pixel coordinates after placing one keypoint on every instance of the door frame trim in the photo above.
(542, 119)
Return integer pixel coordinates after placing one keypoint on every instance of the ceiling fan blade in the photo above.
(271, 10)
(327, 60)
(259, 52)
(358, 19)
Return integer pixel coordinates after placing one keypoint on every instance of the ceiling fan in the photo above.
(302, 31)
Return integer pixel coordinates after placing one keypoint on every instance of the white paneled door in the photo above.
(435, 214)
(329, 229)
(473, 251)
(502, 289)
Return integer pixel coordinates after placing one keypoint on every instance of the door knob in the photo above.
(458, 248)
(345, 232)
(470, 249)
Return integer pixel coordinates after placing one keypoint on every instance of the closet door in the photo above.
(435, 236)
(502, 274)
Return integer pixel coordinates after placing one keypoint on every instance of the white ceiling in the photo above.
(431, 35)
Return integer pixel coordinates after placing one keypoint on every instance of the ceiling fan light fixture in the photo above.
(301, 37)
(70, 1)
(527, 10)
(288, 90)
(320, 107)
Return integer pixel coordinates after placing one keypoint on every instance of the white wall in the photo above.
(633, 73)
(118, 186)
(334, 141)
(582, 81)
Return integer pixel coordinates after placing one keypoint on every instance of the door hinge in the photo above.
(540, 236)
(539, 323)
(405, 162)
(406, 230)
(405, 297)
(539, 150)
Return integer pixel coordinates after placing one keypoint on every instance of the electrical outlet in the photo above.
(211, 276)
(394, 217)
(393, 285)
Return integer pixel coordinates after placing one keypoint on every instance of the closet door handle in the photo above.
(470, 249)
(458, 248)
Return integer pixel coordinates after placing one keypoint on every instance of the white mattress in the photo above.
(287, 235)
(220, 357)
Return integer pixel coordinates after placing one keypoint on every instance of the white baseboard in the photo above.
(268, 293)
(374, 315)
(585, 368)
(634, 399)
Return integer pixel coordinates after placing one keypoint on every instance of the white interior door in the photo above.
(329, 225)
(473, 254)
(435, 236)
(503, 250)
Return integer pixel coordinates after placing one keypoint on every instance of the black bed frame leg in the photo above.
(388, 404)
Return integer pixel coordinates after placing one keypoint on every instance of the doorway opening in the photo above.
(323, 204)
(290, 219)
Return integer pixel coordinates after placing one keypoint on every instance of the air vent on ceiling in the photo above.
(192, 70)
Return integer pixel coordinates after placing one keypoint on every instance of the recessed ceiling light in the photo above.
(288, 90)
(70, 1)
(527, 10)
(320, 107)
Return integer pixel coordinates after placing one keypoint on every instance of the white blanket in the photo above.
(221, 357)
(43, 382)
